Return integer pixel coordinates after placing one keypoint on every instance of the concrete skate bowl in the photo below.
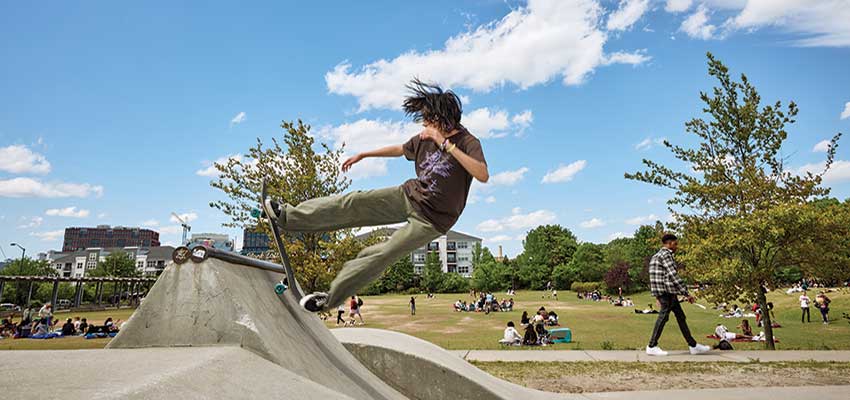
(220, 304)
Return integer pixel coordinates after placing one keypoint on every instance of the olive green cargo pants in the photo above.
(361, 209)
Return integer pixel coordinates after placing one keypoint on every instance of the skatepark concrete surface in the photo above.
(218, 330)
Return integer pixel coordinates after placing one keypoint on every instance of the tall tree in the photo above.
(295, 172)
(589, 261)
(432, 273)
(17, 292)
(742, 214)
(116, 264)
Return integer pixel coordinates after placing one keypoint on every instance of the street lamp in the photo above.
(23, 255)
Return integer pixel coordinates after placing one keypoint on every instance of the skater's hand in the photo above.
(351, 161)
(691, 299)
(432, 134)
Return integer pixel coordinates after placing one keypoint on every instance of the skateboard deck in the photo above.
(289, 283)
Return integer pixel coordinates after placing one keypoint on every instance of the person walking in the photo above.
(666, 286)
(354, 309)
(823, 305)
(805, 303)
(339, 312)
(412, 305)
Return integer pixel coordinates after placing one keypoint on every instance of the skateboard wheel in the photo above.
(181, 254)
(279, 288)
(199, 254)
(256, 213)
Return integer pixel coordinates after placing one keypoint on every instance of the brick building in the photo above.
(107, 236)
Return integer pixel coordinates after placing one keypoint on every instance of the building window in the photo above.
(79, 265)
(450, 245)
(92, 256)
(463, 270)
(451, 257)
(419, 257)
(91, 265)
(434, 246)
(462, 245)
(463, 258)
(151, 264)
(417, 269)
(451, 268)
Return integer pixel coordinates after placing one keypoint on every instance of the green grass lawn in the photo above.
(595, 325)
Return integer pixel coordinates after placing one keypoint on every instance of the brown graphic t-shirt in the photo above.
(439, 193)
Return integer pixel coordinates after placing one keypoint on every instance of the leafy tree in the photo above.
(295, 172)
(432, 273)
(548, 245)
(117, 264)
(17, 292)
(564, 275)
(491, 276)
(589, 261)
(618, 277)
(534, 276)
(398, 277)
(481, 255)
(744, 215)
(454, 283)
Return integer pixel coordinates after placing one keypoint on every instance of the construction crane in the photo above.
(186, 228)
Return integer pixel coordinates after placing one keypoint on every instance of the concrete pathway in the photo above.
(640, 356)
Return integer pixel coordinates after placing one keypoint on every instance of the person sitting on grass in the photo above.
(553, 319)
(84, 327)
(459, 306)
(542, 334)
(524, 320)
(42, 328)
(723, 333)
(530, 337)
(511, 337)
(746, 329)
(68, 328)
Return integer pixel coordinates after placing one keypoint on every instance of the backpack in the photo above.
(359, 302)
(724, 345)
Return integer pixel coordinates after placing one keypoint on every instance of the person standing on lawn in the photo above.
(666, 286)
(447, 157)
(805, 302)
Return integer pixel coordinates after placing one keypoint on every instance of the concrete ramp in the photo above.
(423, 370)
(219, 303)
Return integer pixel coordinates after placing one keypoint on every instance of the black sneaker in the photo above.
(273, 211)
(314, 302)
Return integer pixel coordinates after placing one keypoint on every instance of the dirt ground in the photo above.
(583, 377)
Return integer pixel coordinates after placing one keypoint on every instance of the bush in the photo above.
(587, 286)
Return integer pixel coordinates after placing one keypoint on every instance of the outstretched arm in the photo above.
(476, 168)
(389, 151)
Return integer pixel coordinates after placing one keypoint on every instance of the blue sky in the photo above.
(111, 113)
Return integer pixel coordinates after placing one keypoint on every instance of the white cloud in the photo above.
(211, 170)
(592, 223)
(816, 23)
(487, 124)
(564, 173)
(647, 219)
(676, 6)
(151, 223)
(50, 236)
(627, 14)
(501, 238)
(846, 113)
(839, 171)
(34, 222)
(822, 146)
(697, 26)
(490, 199)
(102, 215)
(617, 235)
(367, 134)
(531, 45)
(19, 159)
(67, 212)
(238, 119)
(27, 187)
(188, 217)
(508, 178)
(647, 143)
(517, 221)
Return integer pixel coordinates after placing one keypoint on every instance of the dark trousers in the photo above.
(339, 317)
(824, 313)
(670, 302)
(806, 315)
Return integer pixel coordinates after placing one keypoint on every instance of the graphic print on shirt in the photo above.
(434, 164)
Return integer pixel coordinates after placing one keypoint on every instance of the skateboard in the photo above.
(289, 282)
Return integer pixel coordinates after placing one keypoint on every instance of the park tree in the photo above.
(548, 245)
(481, 254)
(742, 214)
(453, 282)
(432, 273)
(589, 261)
(295, 172)
(398, 277)
(491, 276)
(17, 292)
(116, 264)
(618, 277)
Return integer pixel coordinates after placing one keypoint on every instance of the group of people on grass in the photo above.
(355, 303)
(821, 303)
(43, 325)
(535, 333)
(485, 302)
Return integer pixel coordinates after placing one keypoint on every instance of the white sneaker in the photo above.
(655, 351)
(314, 302)
(700, 349)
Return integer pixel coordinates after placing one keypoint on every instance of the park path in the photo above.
(640, 356)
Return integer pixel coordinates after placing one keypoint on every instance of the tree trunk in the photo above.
(769, 344)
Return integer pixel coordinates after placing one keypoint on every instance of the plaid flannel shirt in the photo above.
(663, 278)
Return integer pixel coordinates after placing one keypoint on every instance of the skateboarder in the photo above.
(447, 157)
(666, 286)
